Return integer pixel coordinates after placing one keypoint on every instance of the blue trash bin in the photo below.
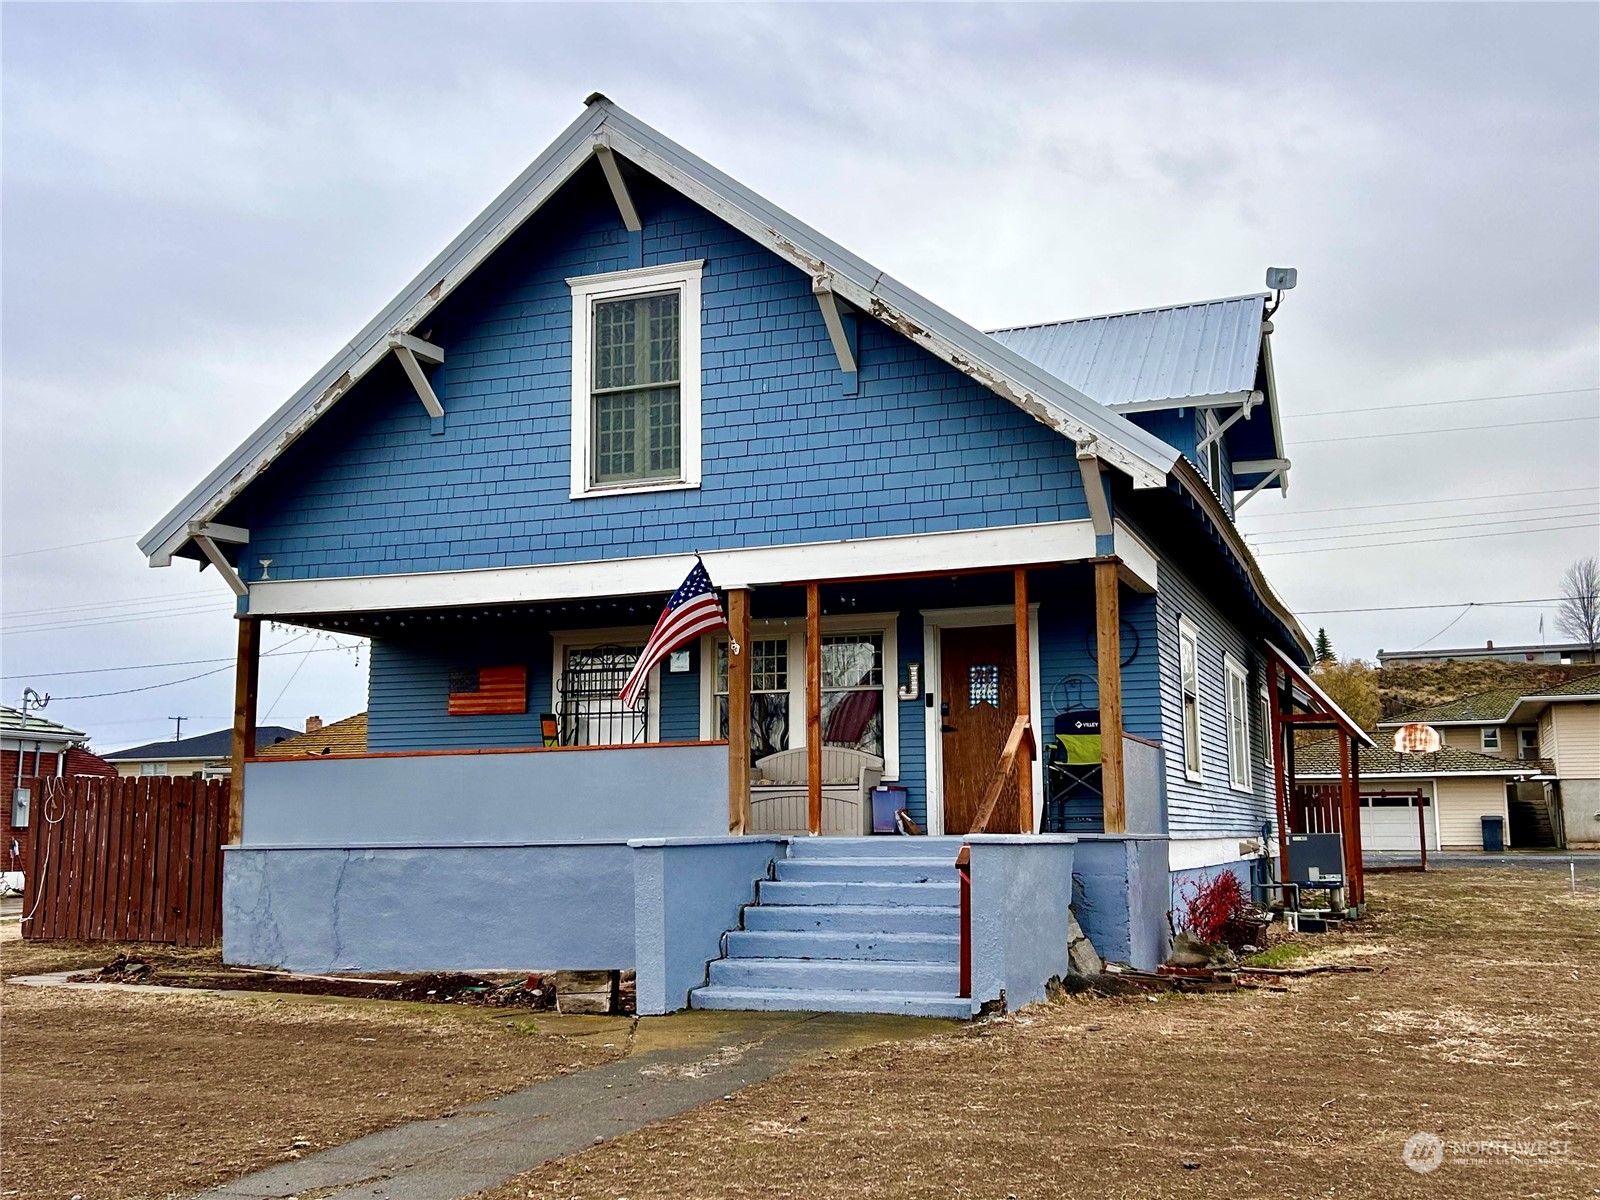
(886, 801)
(1494, 833)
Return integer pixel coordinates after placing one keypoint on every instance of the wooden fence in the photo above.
(126, 860)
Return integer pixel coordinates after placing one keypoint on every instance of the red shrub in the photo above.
(1209, 908)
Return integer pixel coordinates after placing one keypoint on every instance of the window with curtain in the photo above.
(769, 695)
(853, 691)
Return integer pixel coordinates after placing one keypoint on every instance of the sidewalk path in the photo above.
(676, 1063)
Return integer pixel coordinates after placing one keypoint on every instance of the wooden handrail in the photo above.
(1021, 736)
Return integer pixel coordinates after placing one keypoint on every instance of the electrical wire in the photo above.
(1465, 610)
(1296, 538)
(132, 620)
(131, 601)
(1290, 516)
(127, 537)
(1340, 412)
(1460, 537)
(187, 662)
(1366, 437)
(1551, 509)
(1328, 612)
(285, 687)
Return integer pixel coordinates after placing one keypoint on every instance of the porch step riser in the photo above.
(839, 918)
(906, 1004)
(893, 895)
(866, 870)
(888, 947)
(835, 976)
(874, 847)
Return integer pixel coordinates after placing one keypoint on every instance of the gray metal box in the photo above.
(1316, 860)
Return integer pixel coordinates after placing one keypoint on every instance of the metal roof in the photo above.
(12, 724)
(1009, 374)
(1182, 352)
(216, 744)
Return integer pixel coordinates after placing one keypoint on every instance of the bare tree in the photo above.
(1578, 614)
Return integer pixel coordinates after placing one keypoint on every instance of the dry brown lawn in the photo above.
(122, 1095)
(1482, 1024)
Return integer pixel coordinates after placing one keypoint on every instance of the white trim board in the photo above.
(933, 621)
(586, 639)
(1191, 854)
(909, 554)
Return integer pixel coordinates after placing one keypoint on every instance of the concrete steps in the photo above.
(849, 925)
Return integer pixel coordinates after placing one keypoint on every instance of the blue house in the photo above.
(995, 574)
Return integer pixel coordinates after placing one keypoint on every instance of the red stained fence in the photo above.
(126, 860)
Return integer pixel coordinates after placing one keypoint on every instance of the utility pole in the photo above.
(177, 732)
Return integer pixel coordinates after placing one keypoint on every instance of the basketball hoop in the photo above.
(1416, 738)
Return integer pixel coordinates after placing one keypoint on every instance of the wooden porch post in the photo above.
(246, 678)
(1280, 758)
(1355, 792)
(1019, 588)
(1108, 647)
(738, 710)
(814, 708)
(1349, 817)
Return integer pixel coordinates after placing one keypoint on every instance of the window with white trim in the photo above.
(1238, 724)
(769, 695)
(636, 380)
(1489, 736)
(853, 699)
(153, 768)
(1189, 688)
(1269, 750)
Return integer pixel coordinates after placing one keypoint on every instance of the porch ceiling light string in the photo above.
(150, 687)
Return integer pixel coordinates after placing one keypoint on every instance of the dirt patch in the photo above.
(121, 1095)
(1480, 1023)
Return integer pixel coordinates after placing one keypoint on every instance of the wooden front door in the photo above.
(978, 695)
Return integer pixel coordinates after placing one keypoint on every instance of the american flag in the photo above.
(691, 611)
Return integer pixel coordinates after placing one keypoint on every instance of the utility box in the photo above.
(1316, 860)
(1494, 833)
(21, 801)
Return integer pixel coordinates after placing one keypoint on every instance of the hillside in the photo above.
(1402, 688)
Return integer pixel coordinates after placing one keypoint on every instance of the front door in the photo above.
(978, 691)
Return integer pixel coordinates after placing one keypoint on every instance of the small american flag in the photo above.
(691, 611)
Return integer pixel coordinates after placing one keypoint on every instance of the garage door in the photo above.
(1389, 822)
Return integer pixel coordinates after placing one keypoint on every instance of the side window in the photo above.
(853, 688)
(1271, 751)
(1238, 725)
(1490, 739)
(769, 695)
(1189, 685)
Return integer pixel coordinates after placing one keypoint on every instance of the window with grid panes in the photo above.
(769, 694)
(637, 419)
(853, 691)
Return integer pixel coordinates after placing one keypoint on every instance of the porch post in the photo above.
(1108, 648)
(1355, 796)
(246, 677)
(738, 710)
(814, 708)
(1349, 816)
(1280, 763)
(1019, 589)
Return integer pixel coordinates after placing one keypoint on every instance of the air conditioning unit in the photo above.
(1316, 860)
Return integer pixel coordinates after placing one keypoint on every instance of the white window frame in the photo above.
(1196, 772)
(589, 290)
(149, 769)
(1269, 755)
(588, 639)
(1489, 739)
(885, 624)
(1237, 707)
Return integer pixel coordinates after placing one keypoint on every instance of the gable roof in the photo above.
(1199, 355)
(603, 125)
(1499, 705)
(348, 736)
(1314, 695)
(1320, 760)
(217, 744)
(13, 724)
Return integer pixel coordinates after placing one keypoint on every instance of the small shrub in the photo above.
(1211, 909)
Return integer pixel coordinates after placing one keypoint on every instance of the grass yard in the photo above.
(1483, 1024)
(113, 1095)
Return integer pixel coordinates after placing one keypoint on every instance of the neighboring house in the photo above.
(933, 543)
(205, 755)
(33, 748)
(1559, 652)
(348, 736)
(1553, 733)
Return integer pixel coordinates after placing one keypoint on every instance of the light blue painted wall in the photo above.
(451, 799)
(788, 457)
(1021, 902)
(519, 908)
(1122, 893)
(1209, 807)
(686, 896)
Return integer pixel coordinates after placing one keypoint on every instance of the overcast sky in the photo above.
(203, 203)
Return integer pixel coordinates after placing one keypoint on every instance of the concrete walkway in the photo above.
(675, 1063)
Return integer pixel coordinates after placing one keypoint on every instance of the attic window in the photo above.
(636, 380)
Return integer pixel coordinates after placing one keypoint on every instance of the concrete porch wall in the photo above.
(1122, 892)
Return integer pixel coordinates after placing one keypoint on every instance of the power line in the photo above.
(1294, 534)
(1460, 537)
(1339, 412)
(150, 687)
(1289, 516)
(1364, 437)
(1328, 612)
(131, 620)
(1448, 627)
(1269, 534)
(126, 537)
(189, 662)
(133, 601)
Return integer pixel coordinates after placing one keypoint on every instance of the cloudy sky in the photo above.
(203, 203)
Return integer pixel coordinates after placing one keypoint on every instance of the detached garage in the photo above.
(1458, 788)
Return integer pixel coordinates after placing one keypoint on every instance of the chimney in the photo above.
(313, 724)
(1489, 645)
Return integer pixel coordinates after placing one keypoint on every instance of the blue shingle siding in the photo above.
(788, 457)
(408, 690)
(913, 715)
(680, 701)
(1210, 807)
(1069, 670)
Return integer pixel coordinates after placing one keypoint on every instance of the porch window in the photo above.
(852, 691)
(1238, 725)
(769, 695)
(1269, 751)
(590, 712)
(636, 380)
(1189, 682)
(1490, 738)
